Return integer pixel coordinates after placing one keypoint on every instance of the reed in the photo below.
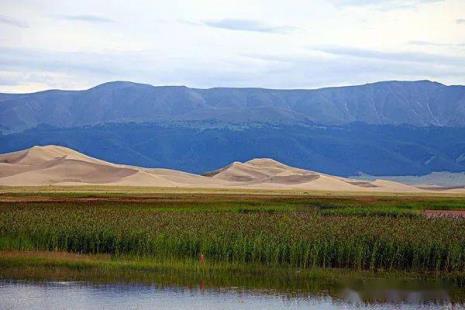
(301, 233)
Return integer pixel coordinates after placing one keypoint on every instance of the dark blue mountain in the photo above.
(421, 103)
(385, 128)
(341, 150)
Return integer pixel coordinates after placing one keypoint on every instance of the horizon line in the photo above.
(227, 87)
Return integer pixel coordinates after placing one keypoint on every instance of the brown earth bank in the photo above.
(445, 213)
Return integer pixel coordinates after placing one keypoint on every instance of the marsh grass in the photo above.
(360, 233)
(63, 266)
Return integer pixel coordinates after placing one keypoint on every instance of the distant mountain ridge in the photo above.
(385, 128)
(338, 150)
(418, 103)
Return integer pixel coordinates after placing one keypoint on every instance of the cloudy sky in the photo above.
(271, 43)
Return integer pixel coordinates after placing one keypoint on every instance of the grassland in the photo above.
(377, 233)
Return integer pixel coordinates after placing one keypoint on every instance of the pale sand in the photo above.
(268, 173)
(56, 165)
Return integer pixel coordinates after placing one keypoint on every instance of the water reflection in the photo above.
(396, 297)
(81, 295)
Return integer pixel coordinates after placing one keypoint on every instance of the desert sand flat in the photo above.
(56, 165)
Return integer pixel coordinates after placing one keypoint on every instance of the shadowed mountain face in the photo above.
(385, 128)
(340, 150)
(421, 103)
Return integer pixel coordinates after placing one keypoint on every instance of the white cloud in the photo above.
(247, 25)
(86, 18)
(386, 4)
(436, 44)
(208, 43)
(408, 57)
(6, 20)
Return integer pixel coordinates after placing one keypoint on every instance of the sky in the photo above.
(214, 43)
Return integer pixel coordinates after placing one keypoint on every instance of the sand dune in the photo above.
(56, 165)
(268, 173)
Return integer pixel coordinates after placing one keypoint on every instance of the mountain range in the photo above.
(421, 103)
(384, 128)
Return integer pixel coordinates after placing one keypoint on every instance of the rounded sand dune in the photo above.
(56, 165)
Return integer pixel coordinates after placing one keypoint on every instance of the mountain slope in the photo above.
(420, 103)
(54, 165)
(337, 150)
(385, 128)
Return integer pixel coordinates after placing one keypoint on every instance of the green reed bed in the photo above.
(62, 266)
(301, 233)
(386, 206)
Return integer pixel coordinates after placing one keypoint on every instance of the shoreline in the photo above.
(102, 268)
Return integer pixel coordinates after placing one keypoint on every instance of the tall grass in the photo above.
(271, 233)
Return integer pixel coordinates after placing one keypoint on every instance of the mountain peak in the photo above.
(44, 153)
(119, 85)
(129, 84)
(264, 162)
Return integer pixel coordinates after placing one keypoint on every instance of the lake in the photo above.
(82, 295)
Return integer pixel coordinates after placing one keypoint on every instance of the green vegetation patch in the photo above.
(359, 233)
(191, 273)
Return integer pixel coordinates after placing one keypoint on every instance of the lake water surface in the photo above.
(81, 295)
